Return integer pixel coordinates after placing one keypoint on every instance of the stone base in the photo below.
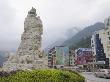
(38, 64)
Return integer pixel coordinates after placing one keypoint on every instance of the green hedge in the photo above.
(50, 75)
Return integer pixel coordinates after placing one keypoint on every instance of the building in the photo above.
(58, 56)
(72, 57)
(51, 58)
(100, 43)
(84, 56)
(98, 50)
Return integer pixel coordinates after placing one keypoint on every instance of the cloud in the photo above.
(7, 18)
(61, 15)
(57, 15)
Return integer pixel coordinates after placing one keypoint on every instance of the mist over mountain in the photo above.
(76, 37)
(83, 36)
(70, 32)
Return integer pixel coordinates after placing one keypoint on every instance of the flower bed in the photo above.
(50, 75)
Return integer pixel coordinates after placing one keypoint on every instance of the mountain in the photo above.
(68, 34)
(83, 37)
(56, 43)
(76, 38)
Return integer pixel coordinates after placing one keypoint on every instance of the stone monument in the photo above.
(29, 54)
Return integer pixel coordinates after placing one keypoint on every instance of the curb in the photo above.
(88, 80)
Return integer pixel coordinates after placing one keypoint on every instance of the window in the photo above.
(102, 70)
(109, 38)
(108, 33)
(97, 35)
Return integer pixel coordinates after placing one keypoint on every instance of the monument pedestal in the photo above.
(29, 54)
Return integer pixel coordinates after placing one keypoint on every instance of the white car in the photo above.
(103, 73)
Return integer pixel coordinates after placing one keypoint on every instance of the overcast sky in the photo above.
(57, 17)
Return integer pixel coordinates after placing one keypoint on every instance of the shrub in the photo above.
(50, 75)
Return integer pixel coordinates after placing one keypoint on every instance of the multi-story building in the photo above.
(51, 58)
(100, 43)
(72, 57)
(84, 56)
(58, 56)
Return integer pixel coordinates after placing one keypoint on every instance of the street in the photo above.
(91, 78)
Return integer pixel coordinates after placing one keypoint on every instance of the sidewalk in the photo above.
(90, 80)
(87, 79)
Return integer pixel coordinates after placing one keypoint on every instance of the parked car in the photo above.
(105, 73)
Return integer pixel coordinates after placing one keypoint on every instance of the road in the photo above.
(91, 78)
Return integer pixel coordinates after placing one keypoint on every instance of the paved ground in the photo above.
(91, 78)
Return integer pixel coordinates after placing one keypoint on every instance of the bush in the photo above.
(75, 72)
(50, 75)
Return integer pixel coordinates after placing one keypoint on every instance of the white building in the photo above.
(100, 41)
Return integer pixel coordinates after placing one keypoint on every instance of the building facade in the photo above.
(72, 57)
(83, 56)
(100, 43)
(58, 56)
